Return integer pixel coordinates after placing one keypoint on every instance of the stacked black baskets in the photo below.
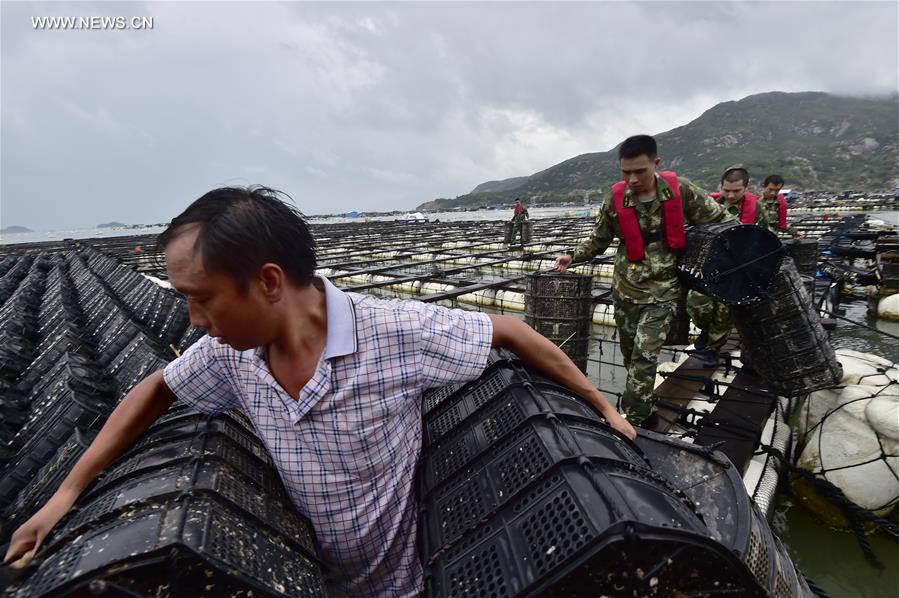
(194, 508)
(524, 490)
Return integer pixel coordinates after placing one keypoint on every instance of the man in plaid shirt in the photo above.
(331, 380)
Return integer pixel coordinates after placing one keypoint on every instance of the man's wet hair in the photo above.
(246, 227)
(734, 175)
(773, 179)
(638, 145)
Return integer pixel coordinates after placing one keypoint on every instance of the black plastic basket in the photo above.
(72, 405)
(434, 397)
(140, 357)
(733, 263)
(188, 545)
(590, 528)
(785, 339)
(33, 496)
(559, 306)
(805, 255)
(452, 509)
(65, 340)
(268, 506)
(213, 446)
(491, 424)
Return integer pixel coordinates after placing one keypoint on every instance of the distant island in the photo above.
(15, 229)
(111, 225)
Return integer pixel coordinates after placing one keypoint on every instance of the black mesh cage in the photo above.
(805, 255)
(559, 306)
(733, 263)
(785, 339)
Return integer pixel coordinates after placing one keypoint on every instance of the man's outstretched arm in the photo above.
(138, 410)
(540, 353)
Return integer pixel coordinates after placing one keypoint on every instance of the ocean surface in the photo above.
(85, 233)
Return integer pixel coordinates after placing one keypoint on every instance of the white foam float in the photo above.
(888, 307)
(510, 300)
(604, 314)
(849, 433)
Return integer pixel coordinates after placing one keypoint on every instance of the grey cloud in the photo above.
(382, 105)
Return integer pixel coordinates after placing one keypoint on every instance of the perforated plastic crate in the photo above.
(268, 506)
(522, 459)
(191, 423)
(189, 545)
(74, 406)
(434, 397)
(48, 478)
(590, 528)
(499, 418)
(51, 353)
(441, 420)
(110, 348)
(238, 452)
(175, 323)
(139, 358)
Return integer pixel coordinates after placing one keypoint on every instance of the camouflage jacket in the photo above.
(770, 210)
(521, 215)
(653, 279)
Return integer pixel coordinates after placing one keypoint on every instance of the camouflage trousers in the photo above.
(642, 329)
(517, 231)
(710, 316)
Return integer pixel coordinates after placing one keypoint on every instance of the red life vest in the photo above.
(672, 219)
(781, 211)
(747, 210)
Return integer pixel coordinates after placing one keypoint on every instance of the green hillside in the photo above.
(815, 140)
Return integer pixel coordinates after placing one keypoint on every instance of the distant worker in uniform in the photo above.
(774, 204)
(712, 317)
(647, 211)
(519, 216)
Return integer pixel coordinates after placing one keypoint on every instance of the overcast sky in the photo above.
(381, 106)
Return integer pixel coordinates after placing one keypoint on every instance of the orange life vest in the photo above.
(781, 211)
(747, 209)
(672, 219)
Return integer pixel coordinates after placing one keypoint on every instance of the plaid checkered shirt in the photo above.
(347, 448)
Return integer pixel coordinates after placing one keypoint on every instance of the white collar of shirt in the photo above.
(341, 321)
(341, 315)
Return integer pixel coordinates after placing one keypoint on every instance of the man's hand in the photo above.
(622, 425)
(26, 540)
(563, 262)
(134, 414)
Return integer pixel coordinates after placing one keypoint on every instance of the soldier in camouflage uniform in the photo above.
(768, 201)
(713, 317)
(644, 292)
(519, 215)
